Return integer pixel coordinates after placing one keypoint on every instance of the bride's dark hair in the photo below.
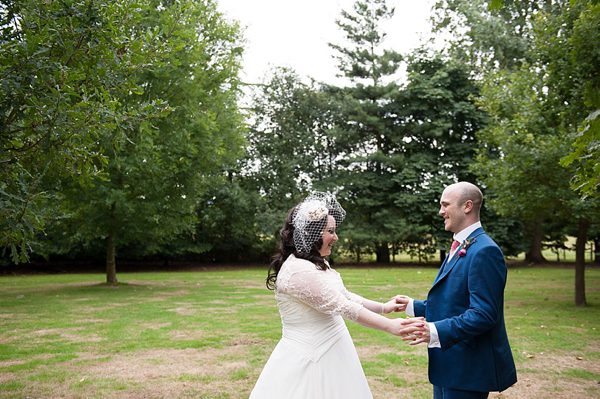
(287, 247)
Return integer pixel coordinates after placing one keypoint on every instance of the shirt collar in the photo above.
(464, 233)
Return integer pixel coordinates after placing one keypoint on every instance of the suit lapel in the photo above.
(446, 267)
(448, 264)
(441, 271)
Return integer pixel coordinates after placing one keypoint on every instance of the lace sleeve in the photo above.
(323, 291)
(353, 297)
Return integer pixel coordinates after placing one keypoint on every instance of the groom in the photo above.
(469, 353)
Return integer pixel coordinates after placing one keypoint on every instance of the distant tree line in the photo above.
(123, 136)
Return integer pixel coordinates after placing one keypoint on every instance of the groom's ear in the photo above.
(468, 206)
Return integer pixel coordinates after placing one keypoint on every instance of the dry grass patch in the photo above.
(69, 334)
(187, 335)
(183, 311)
(157, 373)
(544, 386)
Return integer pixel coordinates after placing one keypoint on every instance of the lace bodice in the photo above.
(321, 290)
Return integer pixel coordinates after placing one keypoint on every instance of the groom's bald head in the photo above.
(468, 192)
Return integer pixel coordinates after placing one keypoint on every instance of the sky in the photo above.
(295, 33)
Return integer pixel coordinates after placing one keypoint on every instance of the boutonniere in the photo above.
(462, 251)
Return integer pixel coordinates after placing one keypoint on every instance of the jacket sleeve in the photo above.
(419, 307)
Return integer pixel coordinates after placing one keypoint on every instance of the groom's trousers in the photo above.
(446, 393)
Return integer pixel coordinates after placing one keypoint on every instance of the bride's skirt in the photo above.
(290, 374)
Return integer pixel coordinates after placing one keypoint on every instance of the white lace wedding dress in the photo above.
(315, 358)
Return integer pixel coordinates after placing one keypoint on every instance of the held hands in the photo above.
(398, 326)
(401, 299)
(416, 331)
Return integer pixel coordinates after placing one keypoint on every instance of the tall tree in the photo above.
(438, 121)
(64, 65)
(569, 53)
(531, 129)
(519, 159)
(156, 173)
(493, 39)
(365, 139)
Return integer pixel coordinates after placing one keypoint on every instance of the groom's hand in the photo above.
(416, 331)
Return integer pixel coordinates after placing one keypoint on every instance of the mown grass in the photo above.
(208, 334)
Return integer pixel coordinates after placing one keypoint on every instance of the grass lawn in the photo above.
(207, 334)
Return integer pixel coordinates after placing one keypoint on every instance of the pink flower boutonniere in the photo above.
(466, 244)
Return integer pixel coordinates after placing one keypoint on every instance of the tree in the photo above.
(522, 167)
(289, 148)
(156, 173)
(572, 53)
(64, 66)
(568, 49)
(364, 141)
(498, 41)
(229, 223)
(437, 121)
(519, 159)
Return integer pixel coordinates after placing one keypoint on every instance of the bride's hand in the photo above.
(399, 325)
(402, 299)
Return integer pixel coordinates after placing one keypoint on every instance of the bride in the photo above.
(316, 358)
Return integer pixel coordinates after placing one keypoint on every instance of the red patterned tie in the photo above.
(455, 245)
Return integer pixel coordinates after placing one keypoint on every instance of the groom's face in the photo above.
(451, 210)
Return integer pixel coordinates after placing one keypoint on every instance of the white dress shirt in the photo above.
(461, 236)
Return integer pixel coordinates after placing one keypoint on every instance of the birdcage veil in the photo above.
(310, 219)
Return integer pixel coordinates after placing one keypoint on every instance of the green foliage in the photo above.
(519, 161)
(586, 152)
(147, 197)
(229, 222)
(64, 67)
(435, 140)
(533, 116)
(495, 4)
(574, 69)
(362, 29)
(387, 150)
(488, 38)
(364, 141)
(290, 148)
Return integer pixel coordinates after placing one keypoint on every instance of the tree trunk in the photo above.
(111, 267)
(535, 250)
(584, 225)
(383, 253)
(597, 250)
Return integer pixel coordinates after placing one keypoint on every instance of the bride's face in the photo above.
(329, 237)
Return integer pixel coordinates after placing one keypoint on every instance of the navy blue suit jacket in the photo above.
(466, 303)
